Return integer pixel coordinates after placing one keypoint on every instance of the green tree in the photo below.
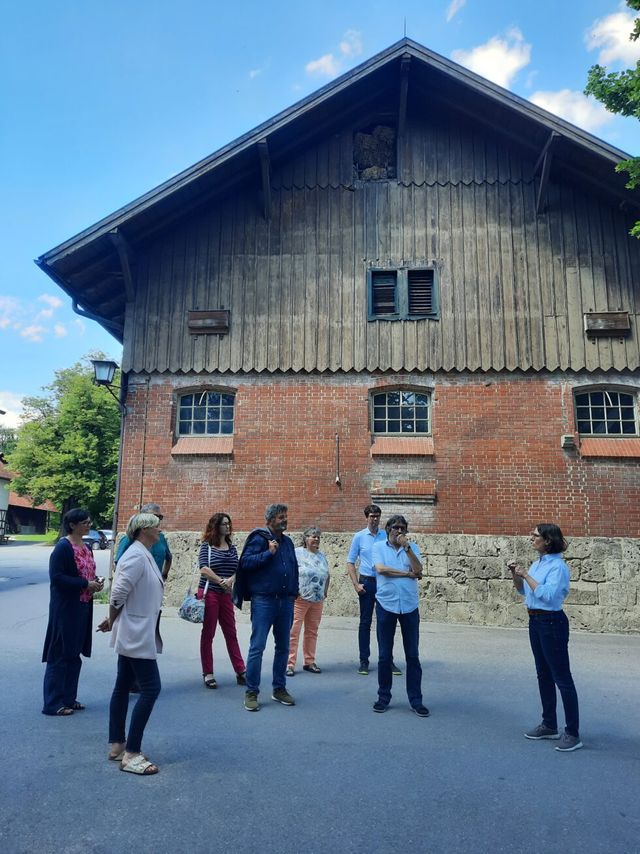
(67, 449)
(619, 91)
(8, 439)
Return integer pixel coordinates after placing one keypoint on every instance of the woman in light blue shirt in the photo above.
(545, 586)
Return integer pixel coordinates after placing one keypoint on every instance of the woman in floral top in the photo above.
(72, 571)
(314, 584)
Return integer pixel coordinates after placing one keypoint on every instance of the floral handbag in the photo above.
(192, 608)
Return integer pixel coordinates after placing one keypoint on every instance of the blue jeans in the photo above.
(145, 672)
(386, 629)
(549, 638)
(269, 612)
(367, 603)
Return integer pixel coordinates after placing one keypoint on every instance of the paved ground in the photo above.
(327, 775)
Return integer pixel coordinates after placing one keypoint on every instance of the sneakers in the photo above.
(421, 711)
(380, 707)
(395, 669)
(281, 695)
(568, 743)
(363, 670)
(241, 678)
(290, 671)
(542, 731)
(251, 701)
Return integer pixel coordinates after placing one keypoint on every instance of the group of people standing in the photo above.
(286, 587)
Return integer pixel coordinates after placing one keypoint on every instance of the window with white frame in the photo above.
(401, 412)
(606, 412)
(206, 413)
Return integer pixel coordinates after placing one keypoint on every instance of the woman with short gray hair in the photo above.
(134, 614)
(307, 609)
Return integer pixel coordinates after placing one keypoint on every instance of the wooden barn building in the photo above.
(412, 287)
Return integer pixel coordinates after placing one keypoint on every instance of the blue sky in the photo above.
(105, 99)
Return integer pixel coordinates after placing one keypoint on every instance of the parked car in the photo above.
(96, 540)
(109, 535)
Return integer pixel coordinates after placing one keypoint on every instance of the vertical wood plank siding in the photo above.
(513, 286)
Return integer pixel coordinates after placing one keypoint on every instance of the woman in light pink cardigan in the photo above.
(134, 613)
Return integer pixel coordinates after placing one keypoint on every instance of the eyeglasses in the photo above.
(400, 528)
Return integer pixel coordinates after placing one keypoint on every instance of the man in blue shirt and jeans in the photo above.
(397, 564)
(268, 576)
(364, 581)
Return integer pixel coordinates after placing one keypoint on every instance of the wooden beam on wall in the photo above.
(265, 169)
(553, 138)
(545, 159)
(125, 254)
(405, 66)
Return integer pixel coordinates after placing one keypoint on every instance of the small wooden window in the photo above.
(384, 286)
(420, 287)
(403, 294)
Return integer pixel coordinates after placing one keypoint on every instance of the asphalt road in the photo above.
(327, 775)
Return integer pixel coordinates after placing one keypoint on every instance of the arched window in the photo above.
(606, 412)
(401, 412)
(206, 413)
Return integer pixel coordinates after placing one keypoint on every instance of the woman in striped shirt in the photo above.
(218, 561)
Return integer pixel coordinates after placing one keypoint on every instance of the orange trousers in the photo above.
(308, 614)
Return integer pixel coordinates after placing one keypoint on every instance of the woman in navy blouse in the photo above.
(545, 586)
(218, 562)
(72, 571)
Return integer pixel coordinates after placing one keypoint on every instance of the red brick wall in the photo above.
(497, 468)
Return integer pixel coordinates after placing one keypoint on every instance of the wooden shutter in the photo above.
(384, 287)
(421, 296)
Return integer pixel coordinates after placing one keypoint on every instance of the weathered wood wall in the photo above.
(513, 285)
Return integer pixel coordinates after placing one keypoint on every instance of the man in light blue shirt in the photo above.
(160, 550)
(364, 579)
(397, 564)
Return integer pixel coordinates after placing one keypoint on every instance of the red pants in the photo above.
(219, 607)
(307, 614)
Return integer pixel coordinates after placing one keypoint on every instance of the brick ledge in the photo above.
(221, 445)
(610, 448)
(404, 446)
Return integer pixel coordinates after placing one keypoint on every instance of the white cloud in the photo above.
(12, 405)
(80, 325)
(326, 66)
(351, 44)
(255, 72)
(611, 36)
(10, 310)
(51, 301)
(33, 333)
(45, 314)
(330, 64)
(60, 330)
(574, 107)
(499, 59)
(454, 8)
